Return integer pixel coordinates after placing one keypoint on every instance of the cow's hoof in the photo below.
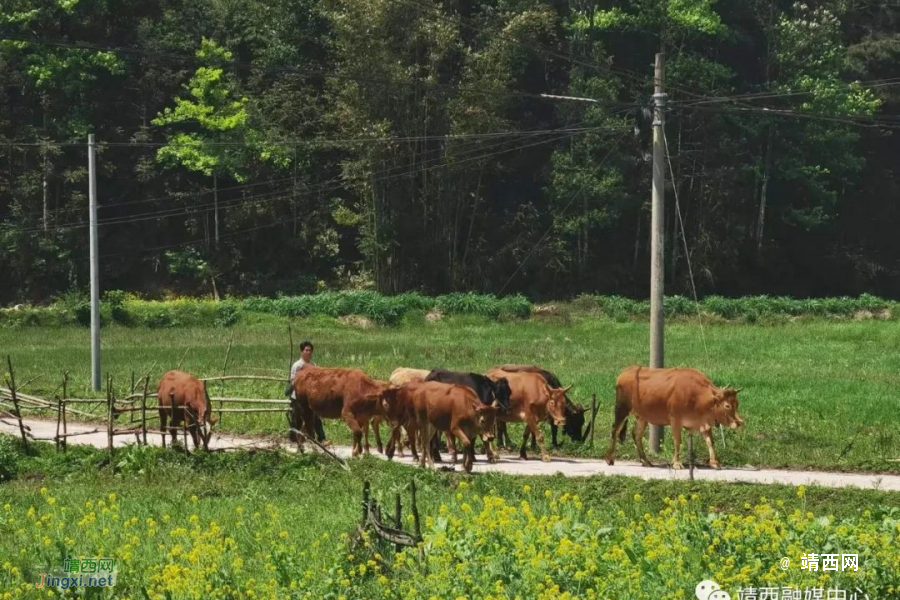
(715, 465)
(493, 459)
(646, 463)
(545, 458)
(610, 461)
(523, 456)
(380, 450)
(677, 466)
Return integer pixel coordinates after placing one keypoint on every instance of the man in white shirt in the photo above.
(306, 351)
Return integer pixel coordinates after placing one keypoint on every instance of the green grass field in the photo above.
(816, 394)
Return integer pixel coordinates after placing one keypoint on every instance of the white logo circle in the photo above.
(705, 588)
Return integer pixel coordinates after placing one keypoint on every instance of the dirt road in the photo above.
(570, 467)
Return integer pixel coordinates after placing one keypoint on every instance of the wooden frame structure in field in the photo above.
(13, 402)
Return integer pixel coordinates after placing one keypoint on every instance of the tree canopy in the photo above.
(411, 145)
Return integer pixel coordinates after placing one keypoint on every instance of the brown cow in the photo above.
(453, 409)
(185, 397)
(531, 401)
(676, 397)
(332, 393)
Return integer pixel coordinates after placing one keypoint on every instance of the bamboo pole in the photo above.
(144, 410)
(58, 421)
(417, 527)
(252, 400)
(11, 382)
(225, 365)
(109, 416)
(183, 356)
(65, 443)
(398, 519)
(184, 428)
(259, 377)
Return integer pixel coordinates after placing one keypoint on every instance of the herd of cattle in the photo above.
(467, 406)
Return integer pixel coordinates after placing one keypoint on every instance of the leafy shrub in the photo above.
(9, 457)
(77, 304)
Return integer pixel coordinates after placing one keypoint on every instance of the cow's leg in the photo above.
(392, 442)
(163, 418)
(376, 427)
(355, 429)
(175, 423)
(620, 421)
(468, 447)
(638, 434)
(713, 461)
(451, 447)
(365, 428)
(554, 430)
(535, 428)
(412, 432)
(676, 438)
(426, 432)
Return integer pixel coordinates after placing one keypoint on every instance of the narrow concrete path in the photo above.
(570, 467)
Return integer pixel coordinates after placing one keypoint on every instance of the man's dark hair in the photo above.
(304, 344)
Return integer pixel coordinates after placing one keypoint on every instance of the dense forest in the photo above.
(288, 146)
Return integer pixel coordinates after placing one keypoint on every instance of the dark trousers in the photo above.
(320, 430)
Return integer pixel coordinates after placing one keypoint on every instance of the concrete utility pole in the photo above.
(657, 233)
(95, 267)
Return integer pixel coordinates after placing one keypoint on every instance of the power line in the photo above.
(450, 137)
(276, 223)
(875, 83)
(262, 198)
(81, 45)
(858, 121)
(304, 142)
(565, 208)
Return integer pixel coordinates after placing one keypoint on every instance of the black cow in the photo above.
(574, 426)
(486, 390)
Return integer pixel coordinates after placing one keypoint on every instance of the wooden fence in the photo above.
(13, 402)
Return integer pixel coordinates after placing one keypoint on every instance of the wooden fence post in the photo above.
(144, 410)
(58, 420)
(109, 416)
(365, 505)
(224, 370)
(11, 383)
(65, 440)
(593, 418)
(398, 519)
(183, 426)
(415, 511)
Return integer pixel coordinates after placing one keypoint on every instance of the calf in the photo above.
(452, 409)
(676, 397)
(574, 426)
(347, 394)
(185, 397)
(487, 389)
(532, 400)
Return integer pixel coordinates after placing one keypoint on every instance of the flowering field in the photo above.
(278, 527)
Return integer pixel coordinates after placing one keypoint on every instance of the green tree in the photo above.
(209, 131)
